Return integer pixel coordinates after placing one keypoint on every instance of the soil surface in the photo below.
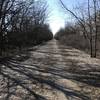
(50, 72)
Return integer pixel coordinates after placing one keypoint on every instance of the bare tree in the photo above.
(89, 24)
(5, 7)
(18, 19)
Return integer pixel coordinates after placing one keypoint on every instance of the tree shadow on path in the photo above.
(18, 74)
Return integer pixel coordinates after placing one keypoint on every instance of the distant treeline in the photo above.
(37, 35)
(23, 23)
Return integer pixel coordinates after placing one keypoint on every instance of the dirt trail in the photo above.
(52, 72)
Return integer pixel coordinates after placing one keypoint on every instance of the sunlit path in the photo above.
(50, 72)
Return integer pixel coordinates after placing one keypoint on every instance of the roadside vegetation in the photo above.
(23, 24)
(84, 32)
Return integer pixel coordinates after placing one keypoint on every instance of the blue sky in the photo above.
(57, 16)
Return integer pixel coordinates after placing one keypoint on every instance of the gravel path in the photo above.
(50, 72)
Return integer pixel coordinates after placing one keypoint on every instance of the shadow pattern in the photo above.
(31, 81)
